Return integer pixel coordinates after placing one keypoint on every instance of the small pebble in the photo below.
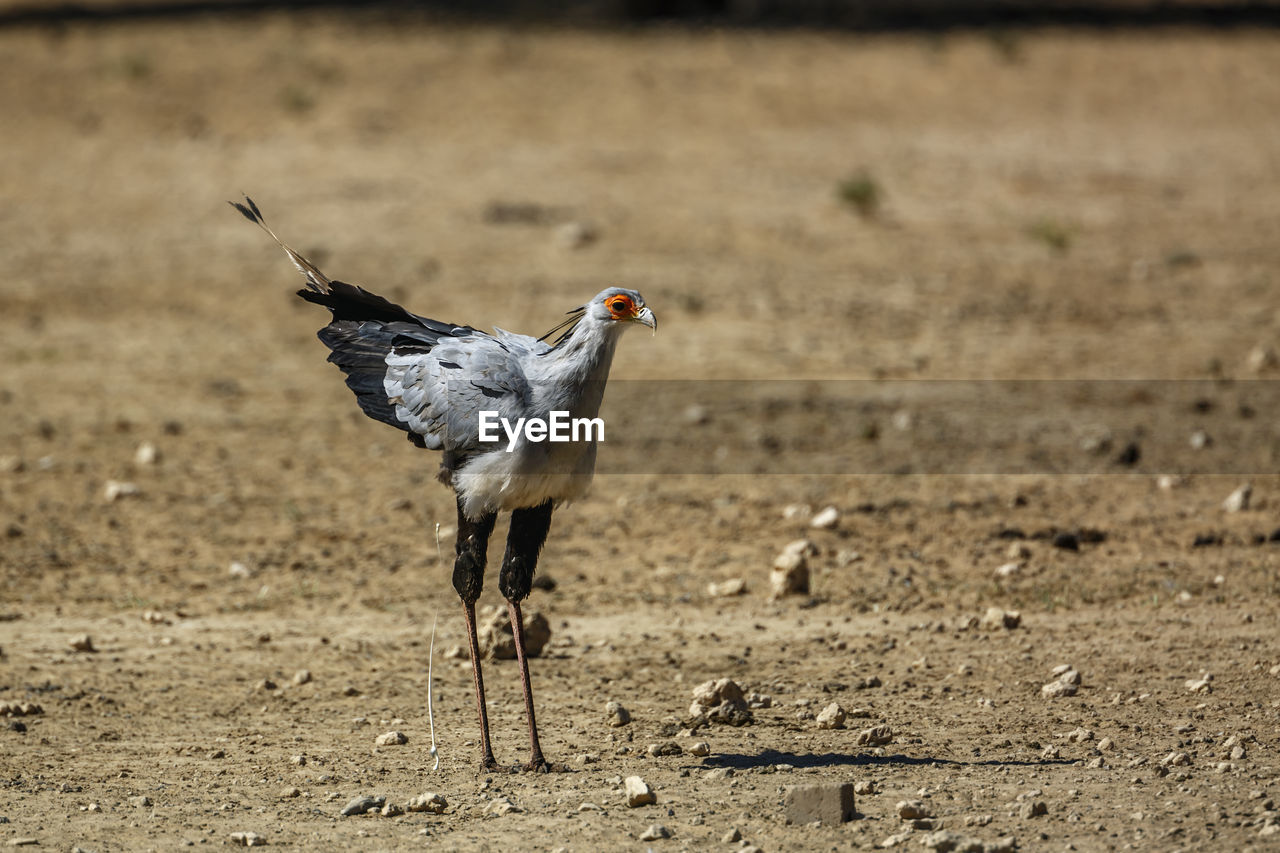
(655, 832)
(727, 588)
(826, 519)
(116, 489)
(616, 715)
(831, 717)
(1238, 501)
(428, 802)
(913, 810)
(875, 736)
(248, 839)
(638, 792)
(1033, 808)
(360, 805)
(503, 806)
(82, 643)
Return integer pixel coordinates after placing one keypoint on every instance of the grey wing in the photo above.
(440, 394)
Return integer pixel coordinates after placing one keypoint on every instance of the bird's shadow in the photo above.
(771, 757)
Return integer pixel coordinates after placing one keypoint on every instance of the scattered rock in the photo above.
(1200, 440)
(1008, 570)
(1079, 735)
(1067, 683)
(660, 750)
(655, 832)
(142, 801)
(392, 739)
(428, 802)
(945, 841)
(727, 588)
(826, 519)
(638, 792)
(875, 736)
(20, 709)
(82, 643)
(1033, 808)
(793, 511)
(265, 684)
(290, 793)
(790, 575)
(831, 717)
(1176, 759)
(502, 806)
(360, 805)
(497, 641)
(1017, 551)
(1200, 685)
(996, 619)
(721, 701)
(1261, 359)
(733, 836)
(616, 715)
(913, 810)
(1238, 501)
(146, 454)
(700, 749)
(302, 676)
(116, 489)
(239, 570)
(696, 415)
(391, 810)
(1059, 689)
(248, 839)
(831, 803)
(1106, 744)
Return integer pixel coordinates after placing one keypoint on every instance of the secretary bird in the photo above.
(433, 379)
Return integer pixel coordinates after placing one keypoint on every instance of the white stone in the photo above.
(1238, 501)
(826, 519)
(638, 792)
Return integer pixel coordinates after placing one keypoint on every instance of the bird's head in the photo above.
(618, 305)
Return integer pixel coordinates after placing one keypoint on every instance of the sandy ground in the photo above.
(1055, 205)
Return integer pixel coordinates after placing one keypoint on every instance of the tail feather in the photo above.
(316, 280)
(363, 331)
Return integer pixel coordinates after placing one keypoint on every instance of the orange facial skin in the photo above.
(621, 307)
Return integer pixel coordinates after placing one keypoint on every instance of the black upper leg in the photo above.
(471, 547)
(528, 532)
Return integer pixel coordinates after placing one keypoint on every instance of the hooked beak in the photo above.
(645, 317)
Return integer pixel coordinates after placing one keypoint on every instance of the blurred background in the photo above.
(808, 190)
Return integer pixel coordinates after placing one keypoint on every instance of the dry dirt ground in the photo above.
(1047, 205)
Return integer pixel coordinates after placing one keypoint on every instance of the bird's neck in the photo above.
(580, 365)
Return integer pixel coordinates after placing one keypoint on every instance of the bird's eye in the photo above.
(619, 305)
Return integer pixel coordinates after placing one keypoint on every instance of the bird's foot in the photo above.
(541, 765)
(487, 764)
